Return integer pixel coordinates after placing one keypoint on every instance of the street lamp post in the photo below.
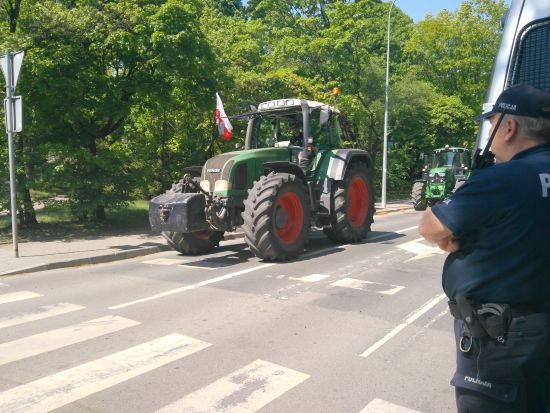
(385, 151)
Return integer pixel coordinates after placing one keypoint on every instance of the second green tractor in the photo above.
(443, 173)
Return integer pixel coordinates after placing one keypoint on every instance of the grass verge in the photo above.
(56, 222)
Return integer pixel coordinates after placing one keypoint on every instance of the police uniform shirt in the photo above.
(502, 217)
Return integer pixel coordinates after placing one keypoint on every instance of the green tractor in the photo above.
(276, 189)
(447, 170)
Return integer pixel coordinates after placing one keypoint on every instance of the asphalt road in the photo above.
(359, 328)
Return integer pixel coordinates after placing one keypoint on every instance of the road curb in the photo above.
(99, 259)
(133, 253)
(393, 210)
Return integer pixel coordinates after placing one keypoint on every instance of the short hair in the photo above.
(537, 129)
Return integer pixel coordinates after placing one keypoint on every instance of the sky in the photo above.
(417, 9)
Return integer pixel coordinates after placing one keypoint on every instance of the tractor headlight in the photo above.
(221, 186)
(205, 185)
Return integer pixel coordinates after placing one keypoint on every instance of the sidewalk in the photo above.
(41, 256)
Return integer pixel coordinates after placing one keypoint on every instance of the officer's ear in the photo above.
(510, 129)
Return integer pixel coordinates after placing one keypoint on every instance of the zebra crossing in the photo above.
(247, 389)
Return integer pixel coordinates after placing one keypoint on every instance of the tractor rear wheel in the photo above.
(418, 200)
(277, 217)
(352, 206)
(193, 243)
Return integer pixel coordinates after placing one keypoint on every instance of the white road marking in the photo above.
(18, 296)
(190, 287)
(419, 249)
(244, 391)
(322, 252)
(368, 286)
(382, 406)
(61, 337)
(310, 278)
(40, 314)
(67, 386)
(164, 261)
(200, 267)
(3, 285)
(409, 320)
(388, 234)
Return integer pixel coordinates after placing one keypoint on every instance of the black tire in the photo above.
(191, 243)
(352, 206)
(277, 217)
(419, 202)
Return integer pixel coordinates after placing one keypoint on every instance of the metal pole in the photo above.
(10, 127)
(385, 150)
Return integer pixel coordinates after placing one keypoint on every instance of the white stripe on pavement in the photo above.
(164, 261)
(382, 406)
(62, 337)
(244, 391)
(190, 287)
(321, 252)
(40, 314)
(379, 288)
(18, 296)
(419, 249)
(310, 278)
(389, 234)
(409, 320)
(67, 386)
(3, 285)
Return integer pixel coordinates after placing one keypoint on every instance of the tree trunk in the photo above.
(99, 212)
(99, 215)
(27, 215)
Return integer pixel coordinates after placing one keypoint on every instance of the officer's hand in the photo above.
(449, 244)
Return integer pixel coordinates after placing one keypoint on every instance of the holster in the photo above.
(488, 319)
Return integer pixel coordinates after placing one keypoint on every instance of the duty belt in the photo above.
(489, 319)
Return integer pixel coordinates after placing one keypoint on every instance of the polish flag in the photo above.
(224, 125)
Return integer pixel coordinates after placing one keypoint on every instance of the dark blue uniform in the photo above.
(502, 218)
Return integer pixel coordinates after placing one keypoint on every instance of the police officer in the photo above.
(497, 275)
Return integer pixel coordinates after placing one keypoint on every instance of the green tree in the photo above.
(98, 60)
(455, 50)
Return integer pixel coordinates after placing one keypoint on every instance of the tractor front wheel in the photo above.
(417, 196)
(193, 243)
(352, 206)
(277, 217)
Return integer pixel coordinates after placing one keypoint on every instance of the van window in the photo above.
(532, 60)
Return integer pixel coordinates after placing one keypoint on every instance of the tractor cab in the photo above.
(276, 123)
(455, 161)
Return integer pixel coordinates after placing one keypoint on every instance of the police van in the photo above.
(523, 56)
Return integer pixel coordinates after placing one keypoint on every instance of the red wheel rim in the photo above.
(289, 217)
(202, 235)
(358, 206)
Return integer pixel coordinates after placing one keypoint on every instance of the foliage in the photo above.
(454, 50)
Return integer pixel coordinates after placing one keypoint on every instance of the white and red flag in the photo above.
(224, 126)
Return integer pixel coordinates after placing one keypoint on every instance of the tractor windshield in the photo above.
(285, 128)
(450, 159)
(270, 130)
